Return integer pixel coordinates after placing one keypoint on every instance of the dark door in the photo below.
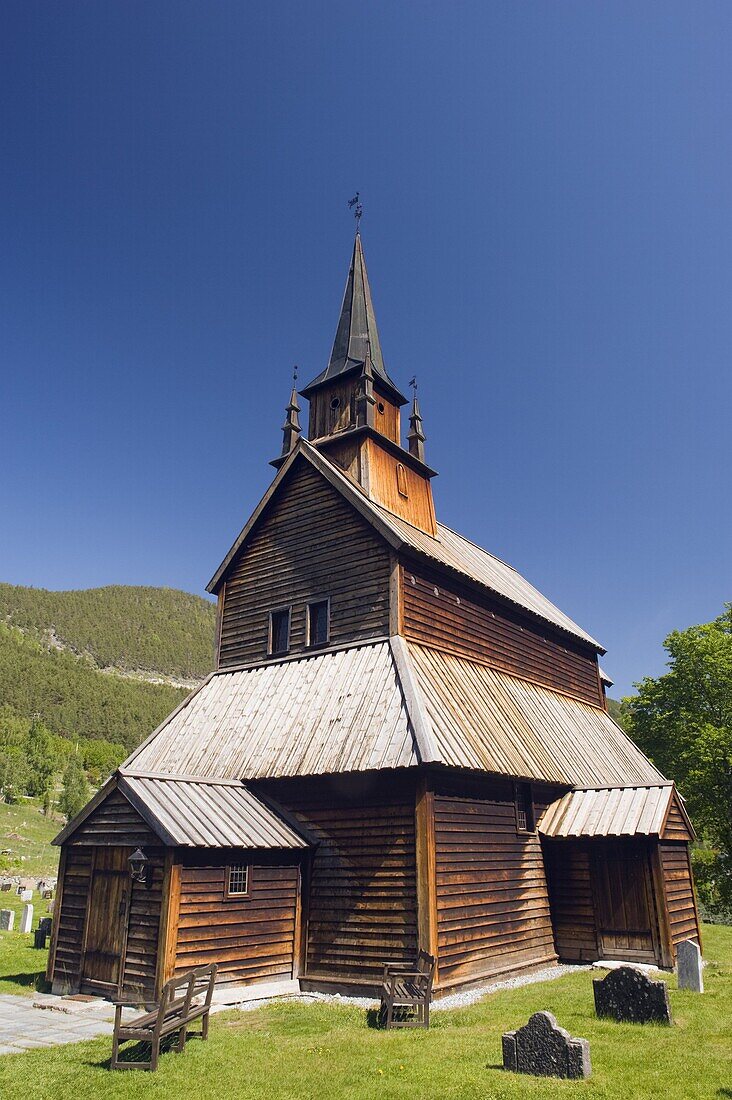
(624, 906)
(106, 929)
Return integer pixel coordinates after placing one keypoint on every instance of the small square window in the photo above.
(524, 808)
(237, 880)
(279, 631)
(319, 622)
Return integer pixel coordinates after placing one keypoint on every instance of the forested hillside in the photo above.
(147, 629)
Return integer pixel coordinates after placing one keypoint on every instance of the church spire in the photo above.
(415, 435)
(291, 429)
(357, 337)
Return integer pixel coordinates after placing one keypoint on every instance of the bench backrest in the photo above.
(426, 966)
(179, 993)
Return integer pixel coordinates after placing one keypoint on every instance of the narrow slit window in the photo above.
(402, 480)
(319, 622)
(237, 880)
(524, 808)
(279, 631)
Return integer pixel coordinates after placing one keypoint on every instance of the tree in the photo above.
(41, 759)
(13, 774)
(75, 791)
(683, 721)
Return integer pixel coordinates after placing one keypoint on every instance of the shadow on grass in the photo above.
(35, 981)
(140, 1053)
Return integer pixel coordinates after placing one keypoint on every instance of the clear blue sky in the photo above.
(548, 230)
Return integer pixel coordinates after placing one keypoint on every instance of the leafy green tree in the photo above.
(41, 759)
(13, 774)
(683, 721)
(75, 793)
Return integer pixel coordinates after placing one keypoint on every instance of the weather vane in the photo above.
(413, 383)
(294, 373)
(358, 212)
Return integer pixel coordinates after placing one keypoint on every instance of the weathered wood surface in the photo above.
(454, 618)
(417, 506)
(309, 545)
(251, 938)
(492, 900)
(112, 823)
(624, 900)
(141, 951)
(683, 917)
(363, 906)
(73, 891)
(675, 827)
(570, 896)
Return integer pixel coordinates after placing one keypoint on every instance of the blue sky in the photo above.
(547, 229)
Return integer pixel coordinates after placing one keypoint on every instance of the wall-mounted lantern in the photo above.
(140, 868)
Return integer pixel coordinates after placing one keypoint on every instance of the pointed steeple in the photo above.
(357, 337)
(291, 429)
(415, 435)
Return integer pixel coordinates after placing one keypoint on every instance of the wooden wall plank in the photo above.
(114, 822)
(683, 916)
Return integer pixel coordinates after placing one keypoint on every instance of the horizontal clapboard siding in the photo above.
(682, 914)
(362, 901)
(452, 618)
(251, 938)
(141, 952)
(310, 545)
(114, 822)
(492, 901)
(74, 890)
(570, 896)
(676, 827)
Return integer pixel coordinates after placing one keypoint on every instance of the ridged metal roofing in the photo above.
(483, 719)
(625, 811)
(214, 814)
(341, 711)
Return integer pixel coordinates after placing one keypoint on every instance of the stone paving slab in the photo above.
(26, 1027)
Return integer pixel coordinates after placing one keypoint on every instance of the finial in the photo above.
(291, 429)
(415, 435)
(358, 211)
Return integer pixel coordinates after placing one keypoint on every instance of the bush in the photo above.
(713, 877)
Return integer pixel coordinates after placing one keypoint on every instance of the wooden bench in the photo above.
(183, 1001)
(408, 988)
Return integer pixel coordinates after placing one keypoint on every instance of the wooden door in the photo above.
(106, 928)
(624, 905)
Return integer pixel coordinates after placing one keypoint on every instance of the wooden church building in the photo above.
(403, 745)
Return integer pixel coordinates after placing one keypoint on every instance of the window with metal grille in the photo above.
(279, 631)
(237, 880)
(524, 807)
(318, 622)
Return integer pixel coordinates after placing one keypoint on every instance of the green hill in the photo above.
(156, 630)
(82, 662)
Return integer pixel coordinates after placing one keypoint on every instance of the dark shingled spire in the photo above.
(357, 337)
(415, 435)
(290, 429)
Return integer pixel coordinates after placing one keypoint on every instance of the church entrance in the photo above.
(625, 909)
(106, 930)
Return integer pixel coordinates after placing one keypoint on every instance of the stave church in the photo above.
(403, 745)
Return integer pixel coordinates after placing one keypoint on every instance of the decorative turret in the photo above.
(291, 429)
(415, 435)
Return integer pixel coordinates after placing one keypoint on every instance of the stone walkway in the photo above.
(25, 1027)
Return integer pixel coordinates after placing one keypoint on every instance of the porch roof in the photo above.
(608, 812)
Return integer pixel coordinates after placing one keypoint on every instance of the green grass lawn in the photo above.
(328, 1052)
(25, 820)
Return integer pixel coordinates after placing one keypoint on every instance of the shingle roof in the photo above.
(626, 811)
(387, 704)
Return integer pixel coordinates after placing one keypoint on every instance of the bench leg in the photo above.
(204, 1027)
(389, 1014)
(181, 1039)
(154, 1054)
(115, 1052)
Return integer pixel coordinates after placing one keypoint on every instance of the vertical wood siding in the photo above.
(570, 895)
(682, 914)
(310, 545)
(251, 938)
(71, 918)
(458, 621)
(417, 507)
(362, 898)
(492, 901)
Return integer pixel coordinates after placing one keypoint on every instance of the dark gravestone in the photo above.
(627, 995)
(39, 938)
(544, 1049)
(45, 924)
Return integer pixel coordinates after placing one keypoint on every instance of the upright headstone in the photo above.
(544, 1049)
(26, 895)
(689, 966)
(26, 921)
(627, 995)
(46, 924)
(7, 920)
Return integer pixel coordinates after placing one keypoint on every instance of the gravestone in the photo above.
(7, 920)
(26, 920)
(689, 966)
(4, 886)
(45, 924)
(544, 1049)
(26, 895)
(627, 995)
